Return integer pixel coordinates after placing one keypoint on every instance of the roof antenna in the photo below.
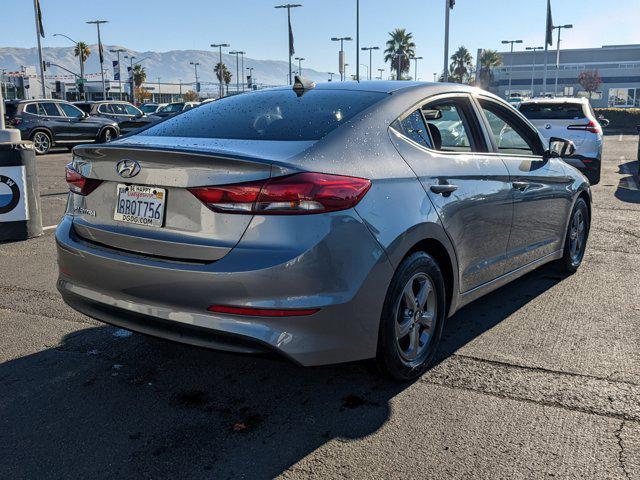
(301, 85)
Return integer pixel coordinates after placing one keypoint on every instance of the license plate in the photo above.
(140, 205)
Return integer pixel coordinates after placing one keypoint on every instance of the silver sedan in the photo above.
(327, 223)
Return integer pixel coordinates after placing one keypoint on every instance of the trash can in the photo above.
(20, 215)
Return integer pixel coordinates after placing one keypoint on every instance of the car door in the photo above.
(469, 188)
(76, 127)
(54, 120)
(541, 196)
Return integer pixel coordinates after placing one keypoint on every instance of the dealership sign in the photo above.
(13, 195)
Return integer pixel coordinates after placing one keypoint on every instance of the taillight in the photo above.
(297, 194)
(15, 121)
(592, 127)
(79, 184)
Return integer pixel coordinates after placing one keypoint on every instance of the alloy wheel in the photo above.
(577, 234)
(415, 318)
(41, 142)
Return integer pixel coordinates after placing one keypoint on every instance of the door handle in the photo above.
(522, 186)
(444, 189)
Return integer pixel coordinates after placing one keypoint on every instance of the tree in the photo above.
(461, 66)
(82, 50)
(489, 60)
(139, 75)
(227, 79)
(400, 49)
(590, 80)
(142, 94)
(190, 96)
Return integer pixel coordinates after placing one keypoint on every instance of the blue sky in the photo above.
(259, 29)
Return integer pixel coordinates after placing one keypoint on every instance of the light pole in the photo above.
(219, 46)
(511, 61)
(289, 6)
(435, 76)
(380, 70)
(118, 51)
(345, 71)
(448, 5)
(341, 54)
(357, 40)
(236, 53)
(300, 59)
(370, 56)
(159, 93)
(97, 23)
(559, 28)
(368, 72)
(180, 80)
(415, 77)
(242, 66)
(533, 68)
(195, 68)
(331, 74)
(399, 53)
(250, 75)
(80, 57)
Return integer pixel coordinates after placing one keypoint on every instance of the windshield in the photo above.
(269, 115)
(148, 108)
(172, 108)
(552, 111)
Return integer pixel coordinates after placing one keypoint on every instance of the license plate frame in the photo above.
(146, 207)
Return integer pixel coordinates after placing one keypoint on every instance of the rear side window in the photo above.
(50, 109)
(269, 115)
(415, 128)
(105, 108)
(552, 111)
(34, 109)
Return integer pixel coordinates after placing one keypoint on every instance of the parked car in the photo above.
(175, 108)
(128, 117)
(50, 123)
(149, 108)
(327, 223)
(571, 118)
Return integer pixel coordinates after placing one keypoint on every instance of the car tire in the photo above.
(576, 238)
(107, 135)
(41, 142)
(412, 318)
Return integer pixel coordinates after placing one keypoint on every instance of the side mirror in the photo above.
(559, 147)
(603, 121)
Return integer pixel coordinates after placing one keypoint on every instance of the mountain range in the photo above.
(170, 67)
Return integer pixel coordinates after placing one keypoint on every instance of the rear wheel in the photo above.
(412, 318)
(576, 237)
(107, 135)
(41, 142)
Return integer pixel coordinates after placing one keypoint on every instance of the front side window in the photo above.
(131, 110)
(148, 108)
(118, 109)
(414, 128)
(508, 134)
(71, 111)
(269, 115)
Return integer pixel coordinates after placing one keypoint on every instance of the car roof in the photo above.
(556, 100)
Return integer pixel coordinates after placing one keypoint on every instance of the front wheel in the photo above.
(41, 143)
(412, 318)
(576, 237)
(107, 135)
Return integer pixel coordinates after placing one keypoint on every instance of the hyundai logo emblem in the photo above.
(127, 168)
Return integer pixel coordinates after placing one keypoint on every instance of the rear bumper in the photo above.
(341, 270)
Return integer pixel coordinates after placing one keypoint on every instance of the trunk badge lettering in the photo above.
(127, 168)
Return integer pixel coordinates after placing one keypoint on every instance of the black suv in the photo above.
(49, 123)
(129, 118)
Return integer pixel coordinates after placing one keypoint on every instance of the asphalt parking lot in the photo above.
(539, 379)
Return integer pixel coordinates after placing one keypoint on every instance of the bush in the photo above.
(620, 118)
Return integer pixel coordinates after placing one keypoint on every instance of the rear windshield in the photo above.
(10, 109)
(552, 111)
(269, 115)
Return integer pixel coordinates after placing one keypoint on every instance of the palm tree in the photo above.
(400, 48)
(489, 60)
(227, 78)
(222, 74)
(82, 50)
(461, 66)
(139, 75)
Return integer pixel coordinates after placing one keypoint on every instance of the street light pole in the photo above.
(370, 57)
(159, 93)
(435, 76)
(97, 23)
(341, 63)
(195, 68)
(80, 57)
(237, 52)
(365, 66)
(118, 51)
(380, 70)
(415, 77)
(559, 28)
(250, 75)
(219, 46)
(289, 6)
(357, 40)
(242, 66)
(511, 62)
(331, 74)
(448, 5)
(533, 68)
(300, 59)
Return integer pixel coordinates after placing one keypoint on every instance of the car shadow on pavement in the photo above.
(107, 403)
(627, 190)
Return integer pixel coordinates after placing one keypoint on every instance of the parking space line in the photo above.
(620, 138)
(50, 227)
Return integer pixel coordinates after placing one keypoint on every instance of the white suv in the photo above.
(573, 119)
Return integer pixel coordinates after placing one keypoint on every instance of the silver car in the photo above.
(327, 223)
